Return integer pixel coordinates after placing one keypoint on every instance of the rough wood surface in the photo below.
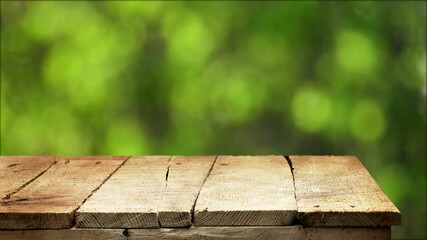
(129, 198)
(339, 191)
(193, 233)
(98, 157)
(185, 179)
(247, 190)
(163, 191)
(51, 200)
(18, 171)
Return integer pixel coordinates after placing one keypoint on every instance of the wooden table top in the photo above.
(46, 192)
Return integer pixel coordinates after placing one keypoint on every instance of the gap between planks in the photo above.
(247, 191)
(9, 195)
(96, 189)
(52, 161)
(73, 213)
(297, 219)
(132, 214)
(197, 197)
(51, 199)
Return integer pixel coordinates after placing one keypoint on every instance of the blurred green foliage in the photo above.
(349, 78)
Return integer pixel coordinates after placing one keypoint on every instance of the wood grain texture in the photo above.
(339, 191)
(98, 157)
(186, 176)
(195, 233)
(247, 190)
(51, 200)
(17, 171)
(129, 198)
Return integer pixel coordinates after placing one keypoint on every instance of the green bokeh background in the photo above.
(139, 78)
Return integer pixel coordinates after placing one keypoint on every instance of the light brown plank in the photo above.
(247, 190)
(98, 157)
(51, 200)
(193, 233)
(17, 171)
(129, 198)
(339, 191)
(185, 179)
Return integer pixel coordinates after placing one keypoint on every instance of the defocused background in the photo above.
(139, 78)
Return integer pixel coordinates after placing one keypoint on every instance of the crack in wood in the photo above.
(167, 172)
(163, 193)
(288, 159)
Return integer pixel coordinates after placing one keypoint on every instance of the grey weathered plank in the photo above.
(51, 200)
(129, 198)
(18, 171)
(185, 179)
(247, 190)
(339, 191)
(193, 233)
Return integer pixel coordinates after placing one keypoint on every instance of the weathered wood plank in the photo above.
(129, 198)
(185, 179)
(51, 200)
(17, 171)
(193, 233)
(247, 190)
(98, 157)
(339, 191)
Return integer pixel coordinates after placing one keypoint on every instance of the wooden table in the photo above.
(192, 197)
